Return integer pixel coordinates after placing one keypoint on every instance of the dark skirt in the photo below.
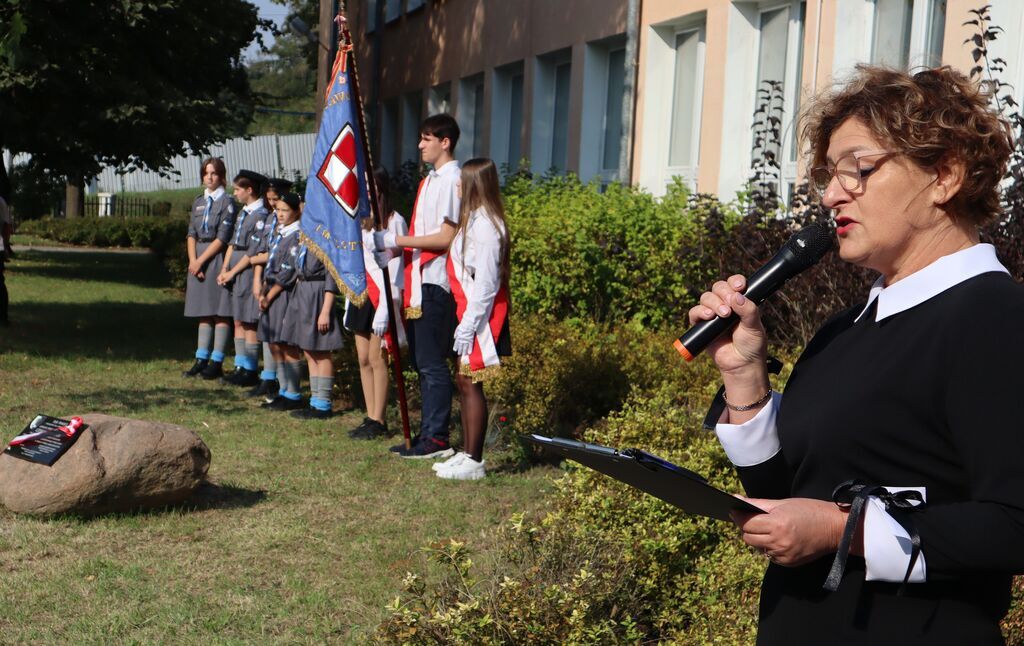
(271, 324)
(299, 327)
(359, 319)
(244, 306)
(203, 297)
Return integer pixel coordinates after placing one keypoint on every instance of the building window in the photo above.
(371, 15)
(412, 5)
(604, 78)
(908, 32)
(471, 117)
(392, 10)
(670, 123)
(440, 99)
(549, 144)
(412, 106)
(779, 63)
(684, 131)
(507, 115)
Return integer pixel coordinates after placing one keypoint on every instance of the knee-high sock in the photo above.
(292, 370)
(269, 365)
(240, 361)
(204, 341)
(220, 341)
(252, 356)
(321, 392)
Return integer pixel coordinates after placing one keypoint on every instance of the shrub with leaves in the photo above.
(606, 564)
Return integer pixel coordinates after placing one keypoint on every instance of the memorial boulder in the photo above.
(116, 464)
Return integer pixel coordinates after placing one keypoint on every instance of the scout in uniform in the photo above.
(209, 233)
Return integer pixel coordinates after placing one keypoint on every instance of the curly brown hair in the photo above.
(932, 115)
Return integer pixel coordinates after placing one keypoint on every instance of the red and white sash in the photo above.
(374, 282)
(483, 359)
(415, 260)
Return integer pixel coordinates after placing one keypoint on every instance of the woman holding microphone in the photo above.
(890, 470)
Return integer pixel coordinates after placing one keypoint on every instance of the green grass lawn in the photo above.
(303, 535)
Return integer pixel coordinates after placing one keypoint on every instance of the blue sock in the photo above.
(202, 354)
(247, 362)
(269, 375)
(217, 356)
(293, 396)
(318, 403)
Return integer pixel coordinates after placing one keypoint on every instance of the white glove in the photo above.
(464, 337)
(380, 320)
(384, 240)
(381, 258)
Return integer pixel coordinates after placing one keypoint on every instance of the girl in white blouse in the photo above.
(478, 275)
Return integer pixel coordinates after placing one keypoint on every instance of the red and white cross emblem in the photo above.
(338, 172)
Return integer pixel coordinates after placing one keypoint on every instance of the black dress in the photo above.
(930, 396)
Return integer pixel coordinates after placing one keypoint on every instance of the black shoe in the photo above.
(271, 401)
(246, 378)
(283, 403)
(362, 425)
(370, 431)
(212, 370)
(426, 448)
(312, 413)
(196, 368)
(232, 379)
(265, 387)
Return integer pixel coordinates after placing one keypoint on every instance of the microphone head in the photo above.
(810, 244)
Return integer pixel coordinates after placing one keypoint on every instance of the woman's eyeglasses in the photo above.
(847, 169)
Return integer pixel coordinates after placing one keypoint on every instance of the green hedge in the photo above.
(165, 236)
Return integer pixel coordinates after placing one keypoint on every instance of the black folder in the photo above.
(660, 478)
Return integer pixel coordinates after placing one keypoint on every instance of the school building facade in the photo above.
(545, 79)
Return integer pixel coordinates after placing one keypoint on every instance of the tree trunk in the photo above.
(74, 198)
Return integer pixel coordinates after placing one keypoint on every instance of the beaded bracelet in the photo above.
(740, 409)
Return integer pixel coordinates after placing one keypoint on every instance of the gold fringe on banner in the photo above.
(477, 376)
(413, 313)
(357, 299)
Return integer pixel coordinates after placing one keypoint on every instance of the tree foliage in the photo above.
(86, 83)
(284, 81)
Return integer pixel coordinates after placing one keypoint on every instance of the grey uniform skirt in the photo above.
(244, 307)
(203, 297)
(271, 323)
(300, 322)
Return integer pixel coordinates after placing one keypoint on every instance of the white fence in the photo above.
(273, 155)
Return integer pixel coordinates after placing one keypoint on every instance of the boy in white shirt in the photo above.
(429, 306)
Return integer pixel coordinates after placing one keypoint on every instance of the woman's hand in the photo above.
(201, 275)
(225, 277)
(264, 303)
(194, 267)
(794, 531)
(747, 345)
(257, 287)
(323, 322)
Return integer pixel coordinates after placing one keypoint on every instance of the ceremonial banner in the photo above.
(336, 194)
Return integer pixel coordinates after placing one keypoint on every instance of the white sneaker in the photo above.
(450, 462)
(468, 469)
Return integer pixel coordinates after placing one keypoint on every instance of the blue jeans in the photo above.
(430, 339)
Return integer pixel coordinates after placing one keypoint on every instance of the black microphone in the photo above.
(804, 249)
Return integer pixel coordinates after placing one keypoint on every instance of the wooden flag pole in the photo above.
(371, 185)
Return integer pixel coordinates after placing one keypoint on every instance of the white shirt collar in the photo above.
(931, 281)
(249, 208)
(216, 195)
(446, 169)
(291, 228)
